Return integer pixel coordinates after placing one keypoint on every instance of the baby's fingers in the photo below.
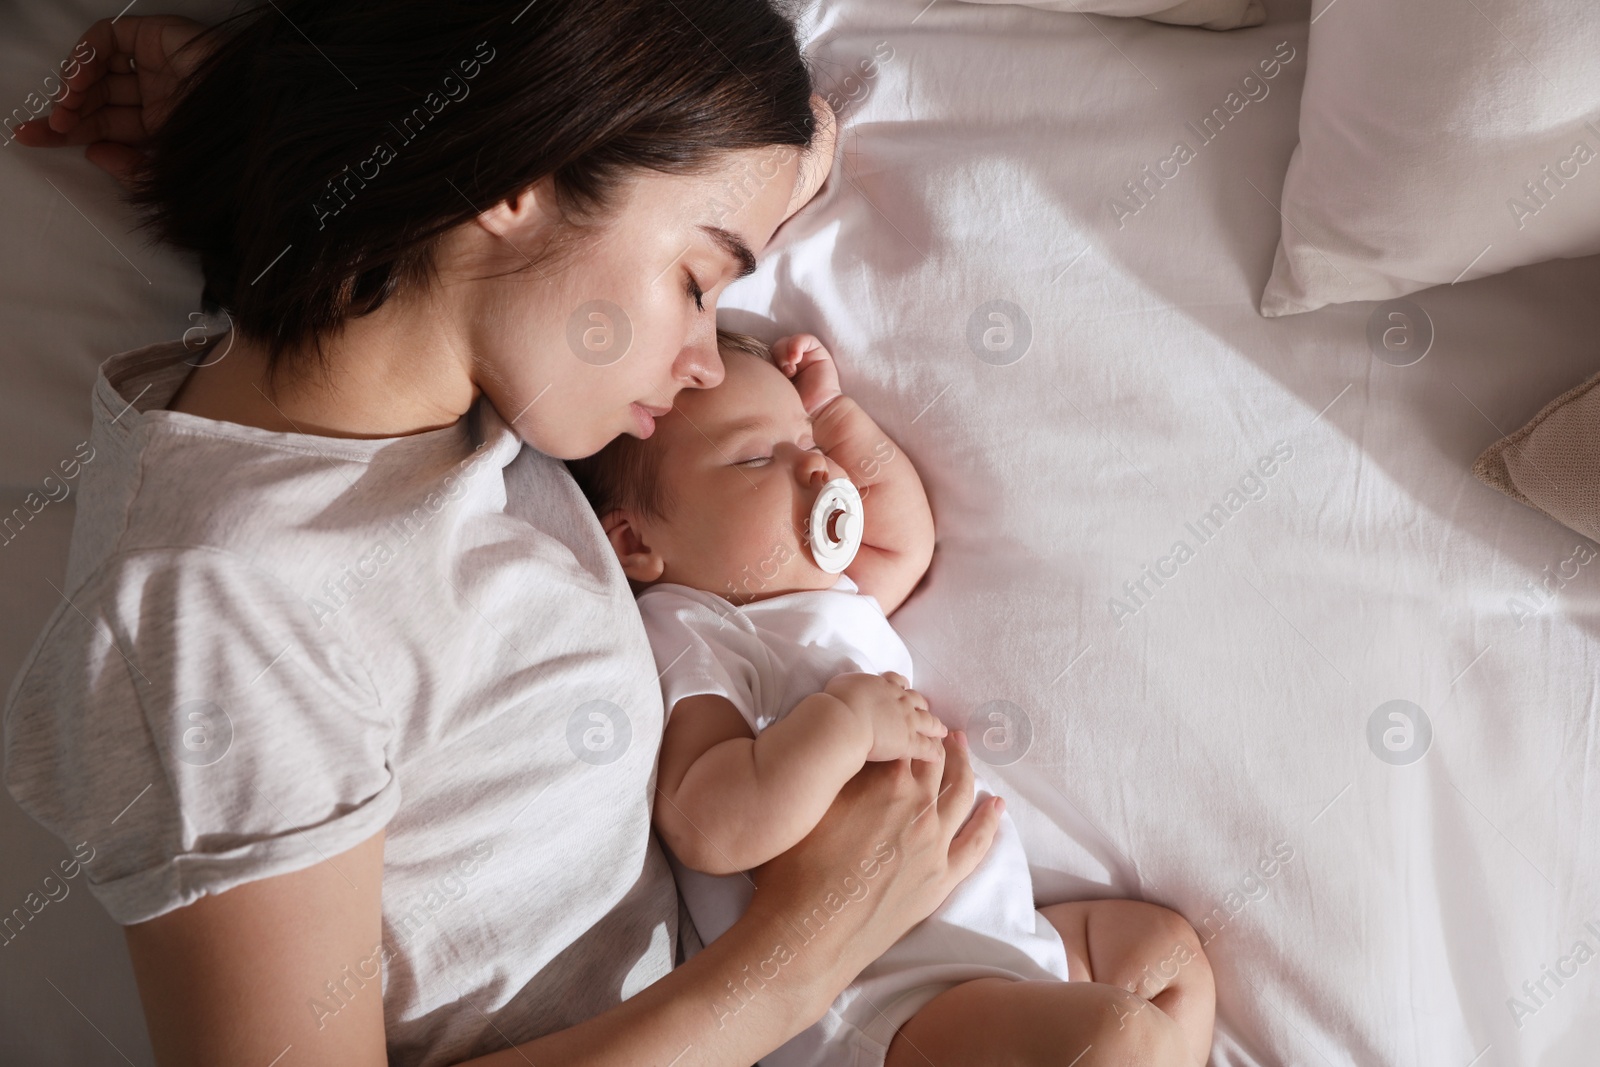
(926, 748)
(927, 723)
(786, 353)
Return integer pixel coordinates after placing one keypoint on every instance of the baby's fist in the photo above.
(896, 714)
(803, 358)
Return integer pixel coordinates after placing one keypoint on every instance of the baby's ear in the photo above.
(639, 562)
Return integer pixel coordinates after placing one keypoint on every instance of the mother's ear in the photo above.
(816, 163)
(530, 210)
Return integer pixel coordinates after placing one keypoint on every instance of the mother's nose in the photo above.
(699, 365)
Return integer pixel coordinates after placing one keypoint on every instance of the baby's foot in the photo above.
(802, 358)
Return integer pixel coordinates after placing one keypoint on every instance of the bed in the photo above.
(1350, 728)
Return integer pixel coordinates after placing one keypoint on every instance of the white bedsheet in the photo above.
(1174, 747)
(1226, 720)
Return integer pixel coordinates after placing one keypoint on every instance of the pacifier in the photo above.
(837, 519)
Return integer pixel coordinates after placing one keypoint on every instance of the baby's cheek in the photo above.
(767, 552)
(742, 556)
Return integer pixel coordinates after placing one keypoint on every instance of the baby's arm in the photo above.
(897, 540)
(727, 801)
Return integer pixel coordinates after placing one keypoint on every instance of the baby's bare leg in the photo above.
(1145, 948)
(995, 1022)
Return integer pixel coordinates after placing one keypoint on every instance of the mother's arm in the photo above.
(234, 978)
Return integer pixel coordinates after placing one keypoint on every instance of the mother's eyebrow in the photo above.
(734, 245)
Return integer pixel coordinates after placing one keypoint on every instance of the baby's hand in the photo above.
(901, 723)
(802, 357)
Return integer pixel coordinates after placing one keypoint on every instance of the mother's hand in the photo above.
(129, 74)
(895, 829)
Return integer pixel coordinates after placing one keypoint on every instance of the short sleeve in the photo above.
(701, 650)
(188, 718)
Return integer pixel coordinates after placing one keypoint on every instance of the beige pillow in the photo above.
(1553, 463)
(1207, 14)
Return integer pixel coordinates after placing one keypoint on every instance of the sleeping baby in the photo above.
(772, 527)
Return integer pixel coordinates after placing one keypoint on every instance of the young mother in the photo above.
(348, 703)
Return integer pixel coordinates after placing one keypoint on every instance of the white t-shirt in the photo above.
(704, 644)
(272, 646)
(765, 657)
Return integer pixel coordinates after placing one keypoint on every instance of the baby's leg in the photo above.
(1145, 948)
(996, 1022)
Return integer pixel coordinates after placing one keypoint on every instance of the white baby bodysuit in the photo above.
(765, 657)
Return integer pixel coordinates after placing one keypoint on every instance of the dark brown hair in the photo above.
(626, 473)
(320, 151)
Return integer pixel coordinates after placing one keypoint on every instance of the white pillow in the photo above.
(1440, 141)
(1209, 14)
(77, 282)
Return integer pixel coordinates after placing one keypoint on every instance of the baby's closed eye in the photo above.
(758, 460)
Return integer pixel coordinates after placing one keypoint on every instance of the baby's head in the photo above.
(719, 496)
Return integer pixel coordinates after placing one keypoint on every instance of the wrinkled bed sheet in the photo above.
(1242, 633)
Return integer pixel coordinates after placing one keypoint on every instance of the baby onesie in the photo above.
(766, 657)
